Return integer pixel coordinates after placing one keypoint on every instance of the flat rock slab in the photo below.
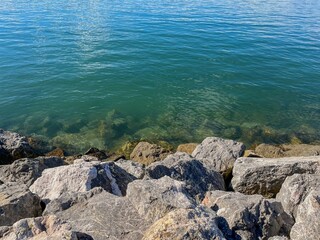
(219, 154)
(182, 167)
(17, 202)
(295, 189)
(106, 216)
(249, 217)
(155, 197)
(265, 176)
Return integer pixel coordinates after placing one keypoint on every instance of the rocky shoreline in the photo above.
(213, 190)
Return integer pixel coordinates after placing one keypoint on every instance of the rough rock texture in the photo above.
(147, 153)
(105, 216)
(27, 170)
(80, 177)
(156, 197)
(287, 150)
(265, 176)
(219, 154)
(58, 152)
(182, 167)
(249, 216)
(307, 224)
(182, 224)
(48, 227)
(187, 147)
(95, 152)
(278, 238)
(14, 146)
(135, 169)
(68, 199)
(17, 202)
(295, 189)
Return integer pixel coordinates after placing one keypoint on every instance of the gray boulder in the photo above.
(265, 176)
(155, 197)
(68, 199)
(182, 167)
(147, 153)
(295, 189)
(105, 216)
(27, 170)
(48, 227)
(134, 168)
(182, 224)
(307, 224)
(14, 146)
(219, 154)
(249, 216)
(17, 202)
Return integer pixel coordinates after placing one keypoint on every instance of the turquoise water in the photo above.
(101, 72)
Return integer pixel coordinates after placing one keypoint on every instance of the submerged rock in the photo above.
(14, 146)
(307, 224)
(17, 202)
(155, 197)
(219, 154)
(147, 153)
(249, 216)
(295, 189)
(287, 150)
(27, 170)
(182, 167)
(265, 176)
(48, 227)
(187, 147)
(181, 224)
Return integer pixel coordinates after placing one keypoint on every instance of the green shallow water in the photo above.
(99, 73)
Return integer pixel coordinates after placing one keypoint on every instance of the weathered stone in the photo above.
(265, 175)
(249, 216)
(307, 224)
(58, 152)
(134, 168)
(182, 167)
(187, 147)
(181, 224)
(219, 154)
(147, 153)
(287, 150)
(295, 189)
(27, 170)
(156, 197)
(95, 152)
(48, 227)
(278, 238)
(105, 216)
(68, 199)
(14, 146)
(80, 177)
(251, 153)
(17, 202)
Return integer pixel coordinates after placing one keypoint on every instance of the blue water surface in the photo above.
(98, 73)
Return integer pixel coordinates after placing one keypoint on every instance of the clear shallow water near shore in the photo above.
(98, 73)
